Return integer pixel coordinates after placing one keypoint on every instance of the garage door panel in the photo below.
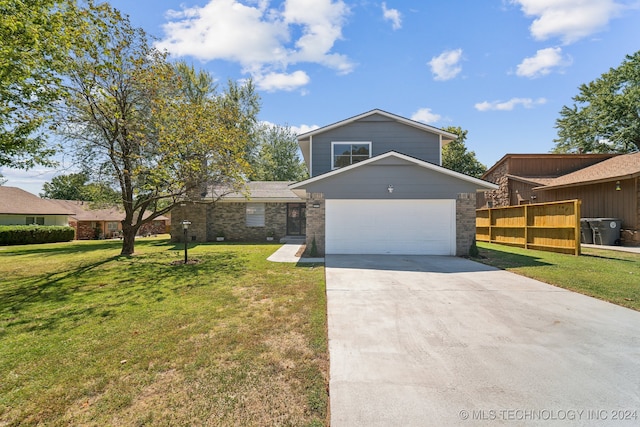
(422, 227)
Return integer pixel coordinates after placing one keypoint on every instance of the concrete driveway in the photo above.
(440, 341)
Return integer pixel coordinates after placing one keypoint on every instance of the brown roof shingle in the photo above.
(16, 201)
(619, 167)
(261, 190)
(84, 212)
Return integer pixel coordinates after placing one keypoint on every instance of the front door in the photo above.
(296, 219)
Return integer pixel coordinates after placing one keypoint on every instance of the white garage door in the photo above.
(403, 227)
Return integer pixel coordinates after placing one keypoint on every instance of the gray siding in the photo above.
(409, 182)
(384, 134)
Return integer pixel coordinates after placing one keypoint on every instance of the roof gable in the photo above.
(392, 157)
(370, 115)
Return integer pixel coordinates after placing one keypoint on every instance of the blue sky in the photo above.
(501, 69)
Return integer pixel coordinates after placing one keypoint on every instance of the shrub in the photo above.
(314, 248)
(473, 250)
(33, 234)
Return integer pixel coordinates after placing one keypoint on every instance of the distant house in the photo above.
(104, 223)
(376, 186)
(19, 207)
(608, 185)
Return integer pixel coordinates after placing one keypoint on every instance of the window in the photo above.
(112, 226)
(255, 214)
(348, 153)
(35, 220)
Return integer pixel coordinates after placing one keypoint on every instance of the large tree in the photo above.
(605, 116)
(456, 157)
(130, 113)
(36, 36)
(275, 155)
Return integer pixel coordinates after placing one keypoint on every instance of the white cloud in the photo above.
(570, 20)
(281, 81)
(299, 130)
(392, 15)
(542, 63)
(509, 105)
(446, 65)
(425, 115)
(261, 39)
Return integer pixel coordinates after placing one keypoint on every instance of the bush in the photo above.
(33, 234)
(473, 250)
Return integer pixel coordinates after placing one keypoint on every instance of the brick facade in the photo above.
(465, 222)
(209, 220)
(315, 223)
(153, 228)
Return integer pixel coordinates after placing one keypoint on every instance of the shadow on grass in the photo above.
(611, 258)
(102, 288)
(78, 246)
(73, 247)
(506, 260)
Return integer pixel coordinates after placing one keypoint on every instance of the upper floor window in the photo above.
(348, 153)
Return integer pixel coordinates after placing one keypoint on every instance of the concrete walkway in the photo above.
(443, 341)
(287, 253)
(631, 249)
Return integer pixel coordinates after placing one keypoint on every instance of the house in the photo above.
(375, 186)
(518, 174)
(608, 189)
(608, 185)
(105, 223)
(19, 207)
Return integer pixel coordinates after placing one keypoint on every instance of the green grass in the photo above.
(609, 275)
(91, 338)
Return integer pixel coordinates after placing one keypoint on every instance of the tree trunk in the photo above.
(128, 240)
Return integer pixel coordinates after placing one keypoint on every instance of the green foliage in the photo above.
(605, 116)
(37, 36)
(314, 248)
(456, 157)
(75, 186)
(275, 155)
(473, 250)
(34, 234)
(161, 132)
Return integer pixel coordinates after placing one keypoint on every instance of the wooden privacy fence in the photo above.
(553, 226)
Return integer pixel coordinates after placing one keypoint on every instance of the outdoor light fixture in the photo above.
(316, 205)
(390, 188)
(618, 187)
(185, 227)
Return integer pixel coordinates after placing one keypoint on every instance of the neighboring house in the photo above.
(518, 174)
(19, 207)
(104, 223)
(375, 186)
(608, 185)
(609, 189)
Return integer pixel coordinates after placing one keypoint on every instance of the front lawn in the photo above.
(609, 275)
(91, 338)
